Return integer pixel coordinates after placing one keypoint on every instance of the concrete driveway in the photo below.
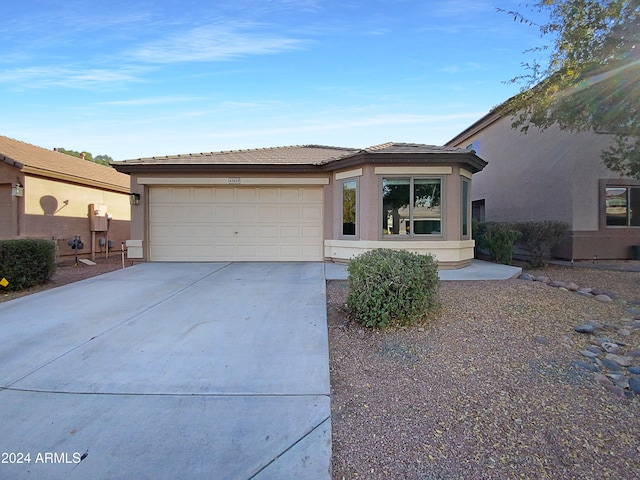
(167, 371)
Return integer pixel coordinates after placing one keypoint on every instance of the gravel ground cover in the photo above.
(488, 386)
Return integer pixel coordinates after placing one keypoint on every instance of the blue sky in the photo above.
(136, 78)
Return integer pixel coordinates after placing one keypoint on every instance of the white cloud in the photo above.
(212, 43)
(167, 100)
(78, 77)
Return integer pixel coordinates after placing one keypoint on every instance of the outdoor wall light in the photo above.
(17, 191)
(134, 198)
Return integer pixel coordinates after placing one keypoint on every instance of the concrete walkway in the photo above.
(167, 371)
(478, 270)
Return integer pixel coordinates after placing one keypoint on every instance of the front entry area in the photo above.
(194, 223)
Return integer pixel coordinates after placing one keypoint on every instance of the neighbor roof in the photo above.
(302, 157)
(50, 164)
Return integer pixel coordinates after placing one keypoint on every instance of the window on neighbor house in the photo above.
(350, 208)
(411, 206)
(622, 206)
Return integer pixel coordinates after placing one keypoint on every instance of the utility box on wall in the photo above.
(98, 217)
(134, 249)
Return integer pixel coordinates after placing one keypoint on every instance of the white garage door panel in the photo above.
(238, 223)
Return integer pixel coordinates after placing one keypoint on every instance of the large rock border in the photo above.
(612, 361)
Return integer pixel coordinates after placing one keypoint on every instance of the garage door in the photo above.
(235, 224)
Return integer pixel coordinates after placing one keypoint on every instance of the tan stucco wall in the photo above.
(448, 248)
(549, 175)
(10, 205)
(53, 209)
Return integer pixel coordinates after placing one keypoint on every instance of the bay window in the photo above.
(411, 206)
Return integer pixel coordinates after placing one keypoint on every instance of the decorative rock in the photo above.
(597, 291)
(616, 390)
(603, 298)
(610, 347)
(624, 332)
(619, 359)
(585, 290)
(634, 384)
(557, 283)
(572, 287)
(543, 279)
(586, 366)
(602, 379)
(586, 328)
(589, 354)
(635, 302)
(563, 289)
(633, 311)
(634, 370)
(620, 380)
(542, 340)
(527, 277)
(595, 349)
(602, 339)
(635, 353)
(610, 365)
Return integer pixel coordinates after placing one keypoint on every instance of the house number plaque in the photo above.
(234, 180)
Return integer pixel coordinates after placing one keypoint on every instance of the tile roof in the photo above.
(417, 148)
(291, 155)
(48, 163)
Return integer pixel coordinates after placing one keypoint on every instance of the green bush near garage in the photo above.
(388, 287)
(27, 262)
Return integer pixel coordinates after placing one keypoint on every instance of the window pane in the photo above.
(349, 208)
(426, 206)
(465, 208)
(616, 206)
(634, 207)
(396, 194)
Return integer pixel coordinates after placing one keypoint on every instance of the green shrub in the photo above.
(27, 262)
(499, 238)
(391, 286)
(538, 238)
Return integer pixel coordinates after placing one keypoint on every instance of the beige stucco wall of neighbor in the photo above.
(53, 209)
(450, 249)
(10, 205)
(548, 175)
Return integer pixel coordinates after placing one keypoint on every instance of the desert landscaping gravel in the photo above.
(493, 385)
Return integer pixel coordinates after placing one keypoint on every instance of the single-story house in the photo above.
(554, 175)
(47, 194)
(303, 203)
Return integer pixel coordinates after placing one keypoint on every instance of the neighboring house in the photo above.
(308, 203)
(554, 175)
(46, 194)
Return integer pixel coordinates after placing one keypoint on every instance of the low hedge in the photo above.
(499, 238)
(27, 262)
(536, 238)
(391, 287)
